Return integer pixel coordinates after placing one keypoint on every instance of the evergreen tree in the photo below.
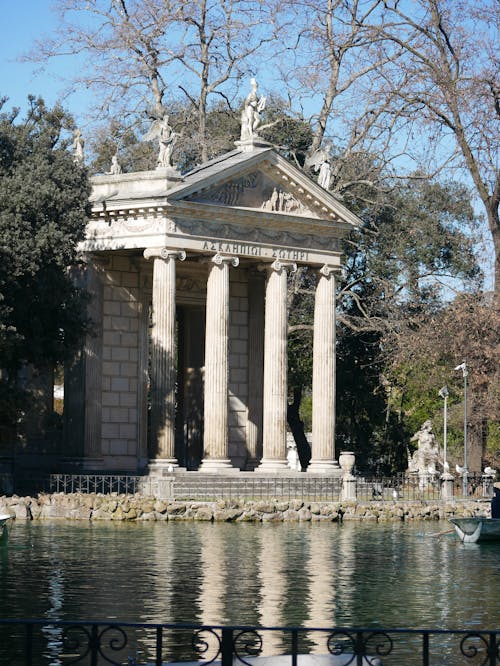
(44, 198)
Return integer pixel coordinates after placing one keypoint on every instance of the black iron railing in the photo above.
(193, 486)
(402, 487)
(39, 642)
(122, 484)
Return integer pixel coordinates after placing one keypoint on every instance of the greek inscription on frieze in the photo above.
(249, 250)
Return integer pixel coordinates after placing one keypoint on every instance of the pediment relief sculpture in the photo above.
(254, 190)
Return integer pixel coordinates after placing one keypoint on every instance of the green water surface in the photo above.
(308, 574)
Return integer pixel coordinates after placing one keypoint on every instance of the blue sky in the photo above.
(25, 21)
(22, 23)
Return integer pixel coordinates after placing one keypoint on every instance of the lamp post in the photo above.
(444, 393)
(463, 368)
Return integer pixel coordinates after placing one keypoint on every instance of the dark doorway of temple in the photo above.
(190, 369)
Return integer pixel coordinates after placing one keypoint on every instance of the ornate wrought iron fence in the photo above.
(192, 486)
(95, 483)
(414, 488)
(39, 642)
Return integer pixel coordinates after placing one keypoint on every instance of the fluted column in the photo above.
(255, 368)
(163, 356)
(275, 369)
(215, 436)
(323, 409)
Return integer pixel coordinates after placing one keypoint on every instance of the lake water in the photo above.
(308, 574)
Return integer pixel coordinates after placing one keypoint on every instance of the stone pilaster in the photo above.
(255, 368)
(323, 409)
(275, 369)
(215, 436)
(163, 357)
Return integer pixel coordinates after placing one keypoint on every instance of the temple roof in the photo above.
(258, 180)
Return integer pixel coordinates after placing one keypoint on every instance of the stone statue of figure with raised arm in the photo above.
(250, 116)
(78, 144)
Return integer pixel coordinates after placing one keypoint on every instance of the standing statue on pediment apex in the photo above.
(250, 116)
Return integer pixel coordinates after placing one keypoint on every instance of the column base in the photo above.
(162, 466)
(272, 466)
(252, 464)
(216, 465)
(324, 467)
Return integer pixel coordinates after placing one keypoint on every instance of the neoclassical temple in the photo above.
(187, 364)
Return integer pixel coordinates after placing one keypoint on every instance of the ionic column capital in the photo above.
(164, 253)
(222, 258)
(327, 270)
(278, 266)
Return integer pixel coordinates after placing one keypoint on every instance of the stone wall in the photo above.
(121, 370)
(139, 507)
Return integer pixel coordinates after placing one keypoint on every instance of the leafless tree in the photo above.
(338, 60)
(139, 55)
(449, 91)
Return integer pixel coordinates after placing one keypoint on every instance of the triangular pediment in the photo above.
(255, 190)
(261, 181)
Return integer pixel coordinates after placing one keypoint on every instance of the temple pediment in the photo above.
(256, 190)
(260, 181)
(257, 199)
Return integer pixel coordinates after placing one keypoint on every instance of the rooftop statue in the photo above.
(78, 144)
(167, 138)
(115, 166)
(320, 161)
(250, 116)
(161, 130)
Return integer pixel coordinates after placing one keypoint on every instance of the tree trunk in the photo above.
(296, 425)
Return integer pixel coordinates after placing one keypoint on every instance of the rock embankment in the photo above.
(138, 507)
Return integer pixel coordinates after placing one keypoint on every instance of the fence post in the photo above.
(159, 646)
(446, 486)
(346, 462)
(94, 645)
(227, 647)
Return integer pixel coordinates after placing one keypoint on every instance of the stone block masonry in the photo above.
(122, 311)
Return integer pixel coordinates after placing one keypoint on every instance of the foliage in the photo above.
(417, 241)
(43, 208)
(424, 358)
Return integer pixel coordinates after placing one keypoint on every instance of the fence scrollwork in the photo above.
(475, 646)
(201, 643)
(248, 642)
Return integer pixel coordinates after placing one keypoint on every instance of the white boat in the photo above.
(4, 527)
(472, 530)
